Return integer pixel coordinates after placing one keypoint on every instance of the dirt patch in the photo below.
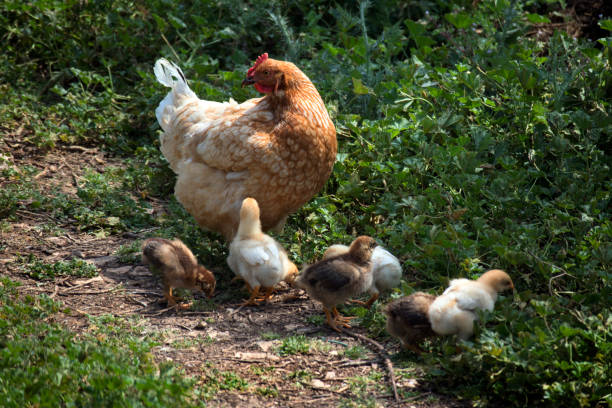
(211, 340)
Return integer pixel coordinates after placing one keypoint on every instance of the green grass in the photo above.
(465, 143)
(43, 364)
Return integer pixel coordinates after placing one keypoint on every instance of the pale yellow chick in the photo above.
(256, 257)
(455, 311)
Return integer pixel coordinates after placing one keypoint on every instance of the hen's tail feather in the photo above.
(170, 75)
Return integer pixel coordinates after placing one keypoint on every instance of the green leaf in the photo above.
(359, 88)
(459, 20)
(606, 24)
(537, 19)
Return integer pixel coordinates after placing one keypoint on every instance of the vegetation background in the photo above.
(472, 135)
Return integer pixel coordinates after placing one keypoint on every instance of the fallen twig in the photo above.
(88, 292)
(383, 354)
(80, 285)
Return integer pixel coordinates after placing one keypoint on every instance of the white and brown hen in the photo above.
(455, 311)
(256, 257)
(333, 280)
(279, 149)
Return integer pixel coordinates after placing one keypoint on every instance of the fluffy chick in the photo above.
(407, 319)
(386, 271)
(177, 266)
(455, 311)
(333, 280)
(256, 257)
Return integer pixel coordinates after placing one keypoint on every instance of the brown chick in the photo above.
(279, 149)
(177, 266)
(407, 319)
(333, 280)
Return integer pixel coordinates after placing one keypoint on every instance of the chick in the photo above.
(177, 266)
(455, 311)
(333, 280)
(407, 319)
(256, 257)
(386, 270)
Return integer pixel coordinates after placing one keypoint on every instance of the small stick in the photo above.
(383, 354)
(161, 311)
(87, 282)
(88, 292)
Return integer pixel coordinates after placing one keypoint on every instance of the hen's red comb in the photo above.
(259, 60)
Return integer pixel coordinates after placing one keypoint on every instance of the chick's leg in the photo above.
(267, 294)
(253, 299)
(412, 347)
(331, 321)
(343, 320)
(168, 296)
(367, 304)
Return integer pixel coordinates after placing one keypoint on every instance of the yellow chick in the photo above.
(455, 311)
(333, 280)
(386, 270)
(407, 319)
(177, 266)
(256, 257)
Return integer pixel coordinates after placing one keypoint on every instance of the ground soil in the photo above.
(217, 335)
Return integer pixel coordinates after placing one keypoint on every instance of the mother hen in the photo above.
(279, 149)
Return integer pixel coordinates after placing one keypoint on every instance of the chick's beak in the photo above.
(248, 81)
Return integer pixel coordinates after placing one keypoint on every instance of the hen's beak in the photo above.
(248, 81)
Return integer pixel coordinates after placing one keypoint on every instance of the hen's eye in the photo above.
(266, 72)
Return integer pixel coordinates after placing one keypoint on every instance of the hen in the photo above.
(386, 270)
(455, 311)
(407, 319)
(256, 257)
(333, 280)
(177, 267)
(278, 149)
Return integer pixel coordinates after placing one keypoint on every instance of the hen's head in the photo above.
(267, 75)
(497, 279)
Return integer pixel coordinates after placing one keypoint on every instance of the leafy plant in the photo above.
(299, 344)
(42, 363)
(37, 269)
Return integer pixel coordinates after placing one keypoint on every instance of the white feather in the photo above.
(455, 311)
(256, 257)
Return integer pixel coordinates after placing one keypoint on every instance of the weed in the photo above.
(129, 253)
(294, 345)
(300, 378)
(39, 270)
(270, 336)
(355, 352)
(44, 364)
